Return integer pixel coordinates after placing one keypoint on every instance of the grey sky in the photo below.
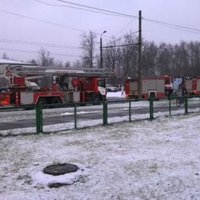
(71, 23)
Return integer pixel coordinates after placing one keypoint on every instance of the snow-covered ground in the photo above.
(143, 160)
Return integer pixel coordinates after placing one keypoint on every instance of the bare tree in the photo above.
(33, 61)
(112, 59)
(88, 47)
(45, 59)
(121, 57)
(194, 58)
(77, 64)
(130, 56)
(165, 59)
(67, 64)
(5, 56)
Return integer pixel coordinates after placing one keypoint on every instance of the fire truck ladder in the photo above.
(79, 72)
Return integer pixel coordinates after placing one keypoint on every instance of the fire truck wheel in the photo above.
(91, 97)
(97, 100)
(55, 100)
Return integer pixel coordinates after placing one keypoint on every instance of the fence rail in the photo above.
(127, 110)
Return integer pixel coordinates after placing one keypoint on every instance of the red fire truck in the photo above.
(24, 84)
(192, 85)
(158, 87)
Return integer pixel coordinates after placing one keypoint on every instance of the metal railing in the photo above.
(128, 110)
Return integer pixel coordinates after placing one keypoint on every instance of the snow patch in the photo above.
(41, 179)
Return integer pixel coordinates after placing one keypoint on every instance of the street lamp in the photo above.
(101, 56)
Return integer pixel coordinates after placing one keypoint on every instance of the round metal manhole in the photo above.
(60, 169)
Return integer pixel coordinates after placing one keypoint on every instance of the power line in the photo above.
(91, 9)
(105, 11)
(36, 43)
(102, 11)
(28, 51)
(78, 8)
(174, 26)
(120, 45)
(125, 27)
(98, 9)
(40, 20)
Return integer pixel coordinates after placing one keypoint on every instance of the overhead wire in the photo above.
(87, 8)
(175, 26)
(125, 27)
(119, 14)
(41, 20)
(120, 45)
(104, 11)
(98, 9)
(171, 25)
(28, 51)
(37, 43)
(79, 8)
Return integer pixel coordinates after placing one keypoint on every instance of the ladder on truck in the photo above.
(22, 68)
(79, 72)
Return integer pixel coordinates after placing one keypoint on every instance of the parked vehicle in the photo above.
(192, 85)
(111, 88)
(158, 87)
(24, 84)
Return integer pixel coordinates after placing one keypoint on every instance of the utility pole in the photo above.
(140, 55)
(101, 49)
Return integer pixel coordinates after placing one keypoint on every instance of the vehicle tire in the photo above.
(55, 100)
(91, 97)
(97, 100)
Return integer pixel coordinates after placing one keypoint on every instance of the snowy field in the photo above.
(143, 160)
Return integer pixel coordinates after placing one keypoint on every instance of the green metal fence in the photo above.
(152, 110)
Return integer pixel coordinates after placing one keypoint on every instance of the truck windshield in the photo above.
(101, 83)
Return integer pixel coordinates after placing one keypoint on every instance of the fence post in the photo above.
(186, 104)
(75, 116)
(199, 103)
(39, 119)
(129, 111)
(105, 113)
(151, 107)
(170, 106)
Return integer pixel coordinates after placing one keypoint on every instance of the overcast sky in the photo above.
(26, 25)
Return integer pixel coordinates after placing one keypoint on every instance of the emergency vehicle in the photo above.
(192, 85)
(25, 84)
(157, 87)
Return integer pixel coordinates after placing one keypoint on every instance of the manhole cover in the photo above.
(60, 169)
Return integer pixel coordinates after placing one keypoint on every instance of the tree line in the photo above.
(120, 55)
(177, 60)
